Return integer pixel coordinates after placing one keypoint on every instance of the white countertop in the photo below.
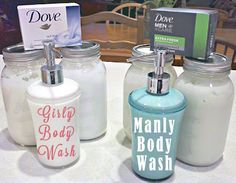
(107, 159)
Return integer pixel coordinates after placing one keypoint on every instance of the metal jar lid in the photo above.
(215, 63)
(144, 50)
(16, 53)
(87, 49)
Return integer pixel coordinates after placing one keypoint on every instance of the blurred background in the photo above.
(10, 31)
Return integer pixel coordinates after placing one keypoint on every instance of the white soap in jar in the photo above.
(22, 69)
(83, 64)
(139, 70)
(210, 95)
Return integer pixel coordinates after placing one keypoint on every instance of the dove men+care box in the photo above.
(182, 31)
(58, 22)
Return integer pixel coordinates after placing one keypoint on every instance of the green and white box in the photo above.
(187, 32)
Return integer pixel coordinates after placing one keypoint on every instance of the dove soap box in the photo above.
(58, 22)
(186, 32)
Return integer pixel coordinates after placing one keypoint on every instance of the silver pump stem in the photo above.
(51, 72)
(159, 62)
(49, 53)
(158, 81)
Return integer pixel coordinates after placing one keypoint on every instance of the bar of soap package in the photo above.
(187, 32)
(58, 22)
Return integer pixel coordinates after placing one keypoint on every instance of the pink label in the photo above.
(55, 138)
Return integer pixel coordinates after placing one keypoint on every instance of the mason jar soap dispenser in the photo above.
(54, 108)
(157, 113)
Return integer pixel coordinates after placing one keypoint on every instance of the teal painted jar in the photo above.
(156, 120)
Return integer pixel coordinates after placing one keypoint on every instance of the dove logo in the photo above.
(35, 16)
(164, 19)
(45, 26)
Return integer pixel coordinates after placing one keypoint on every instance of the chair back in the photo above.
(226, 48)
(131, 6)
(113, 16)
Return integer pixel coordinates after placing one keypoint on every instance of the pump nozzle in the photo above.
(51, 72)
(158, 81)
(49, 53)
(159, 63)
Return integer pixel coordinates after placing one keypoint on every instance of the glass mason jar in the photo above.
(139, 70)
(83, 64)
(21, 69)
(210, 94)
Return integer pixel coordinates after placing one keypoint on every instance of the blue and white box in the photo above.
(58, 22)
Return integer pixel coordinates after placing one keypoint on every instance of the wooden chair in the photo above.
(178, 60)
(226, 48)
(130, 6)
(222, 17)
(111, 45)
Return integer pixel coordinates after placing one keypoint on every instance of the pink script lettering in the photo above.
(48, 112)
(46, 132)
(56, 151)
